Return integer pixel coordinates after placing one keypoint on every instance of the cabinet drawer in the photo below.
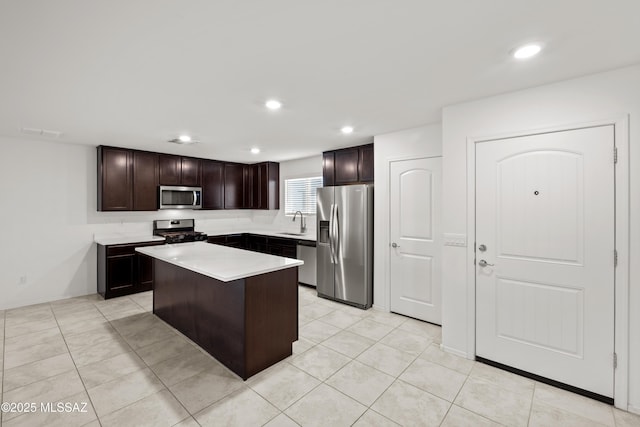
(117, 250)
(129, 249)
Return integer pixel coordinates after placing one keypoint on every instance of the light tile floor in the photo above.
(350, 367)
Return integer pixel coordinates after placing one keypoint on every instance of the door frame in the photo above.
(622, 218)
(387, 258)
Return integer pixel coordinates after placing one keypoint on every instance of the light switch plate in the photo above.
(459, 240)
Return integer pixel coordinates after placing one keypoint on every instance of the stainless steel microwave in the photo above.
(172, 197)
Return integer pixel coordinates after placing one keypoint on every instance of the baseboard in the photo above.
(308, 285)
(454, 351)
(633, 409)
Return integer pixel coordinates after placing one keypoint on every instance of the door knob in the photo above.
(395, 245)
(483, 263)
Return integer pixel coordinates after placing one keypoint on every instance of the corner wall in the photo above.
(49, 218)
(423, 141)
(610, 95)
(299, 168)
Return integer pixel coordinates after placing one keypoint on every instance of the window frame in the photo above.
(294, 178)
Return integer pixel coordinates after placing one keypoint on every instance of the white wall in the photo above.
(299, 168)
(610, 95)
(424, 141)
(48, 218)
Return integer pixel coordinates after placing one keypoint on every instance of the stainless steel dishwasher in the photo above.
(306, 251)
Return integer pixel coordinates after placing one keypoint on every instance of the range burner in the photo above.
(178, 230)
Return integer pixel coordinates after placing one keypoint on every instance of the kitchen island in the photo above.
(239, 306)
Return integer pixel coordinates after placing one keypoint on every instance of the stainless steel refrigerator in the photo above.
(345, 244)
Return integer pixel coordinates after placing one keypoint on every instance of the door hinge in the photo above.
(615, 154)
(615, 360)
(615, 258)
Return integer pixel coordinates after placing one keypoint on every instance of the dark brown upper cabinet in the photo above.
(328, 168)
(346, 166)
(352, 165)
(114, 179)
(233, 186)
(365, 163)
(251, 196)
(190, 171)
(262, 186)
(170, 168)
(145, 181)
(128, 180)
(177, 170)
(212, 184)
(268, 185)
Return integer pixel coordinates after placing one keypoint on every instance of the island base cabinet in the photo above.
(247, 324)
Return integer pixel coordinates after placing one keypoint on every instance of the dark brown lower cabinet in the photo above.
(145, 272)
(258, 243)
(123, 271)
(282, 247)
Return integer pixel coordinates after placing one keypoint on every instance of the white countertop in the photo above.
(219, 262)
(272, 233)
(123, 239)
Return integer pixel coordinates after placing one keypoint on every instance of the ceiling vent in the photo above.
(183, 142)
(41, 132)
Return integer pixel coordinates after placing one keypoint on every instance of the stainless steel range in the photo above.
(178, 230)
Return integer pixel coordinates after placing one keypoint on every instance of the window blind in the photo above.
(300, 195)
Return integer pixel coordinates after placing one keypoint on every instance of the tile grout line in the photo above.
(533, 396)
(151, 370)
(455, 397)
(396, 378)
(282, 411)
(75, 366)
(49, 305)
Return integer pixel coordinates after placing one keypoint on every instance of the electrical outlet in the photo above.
(23, 280)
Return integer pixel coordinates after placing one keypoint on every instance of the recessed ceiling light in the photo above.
(184, 139)
(255, 150)
(347, 130)
(527, 51)
(273, 104)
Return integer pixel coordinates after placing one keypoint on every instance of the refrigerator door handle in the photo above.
(331, 248)
(336, 234)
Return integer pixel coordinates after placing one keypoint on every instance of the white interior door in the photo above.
(415, 230)
(545, 220)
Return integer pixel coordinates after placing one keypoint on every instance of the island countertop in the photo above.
(219, 262)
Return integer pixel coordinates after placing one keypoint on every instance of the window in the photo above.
(300, 195)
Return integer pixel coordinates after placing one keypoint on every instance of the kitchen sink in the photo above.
(292, 234)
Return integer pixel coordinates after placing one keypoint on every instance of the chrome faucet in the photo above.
(303, 224)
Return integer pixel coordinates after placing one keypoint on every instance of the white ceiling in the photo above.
(136, 73)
